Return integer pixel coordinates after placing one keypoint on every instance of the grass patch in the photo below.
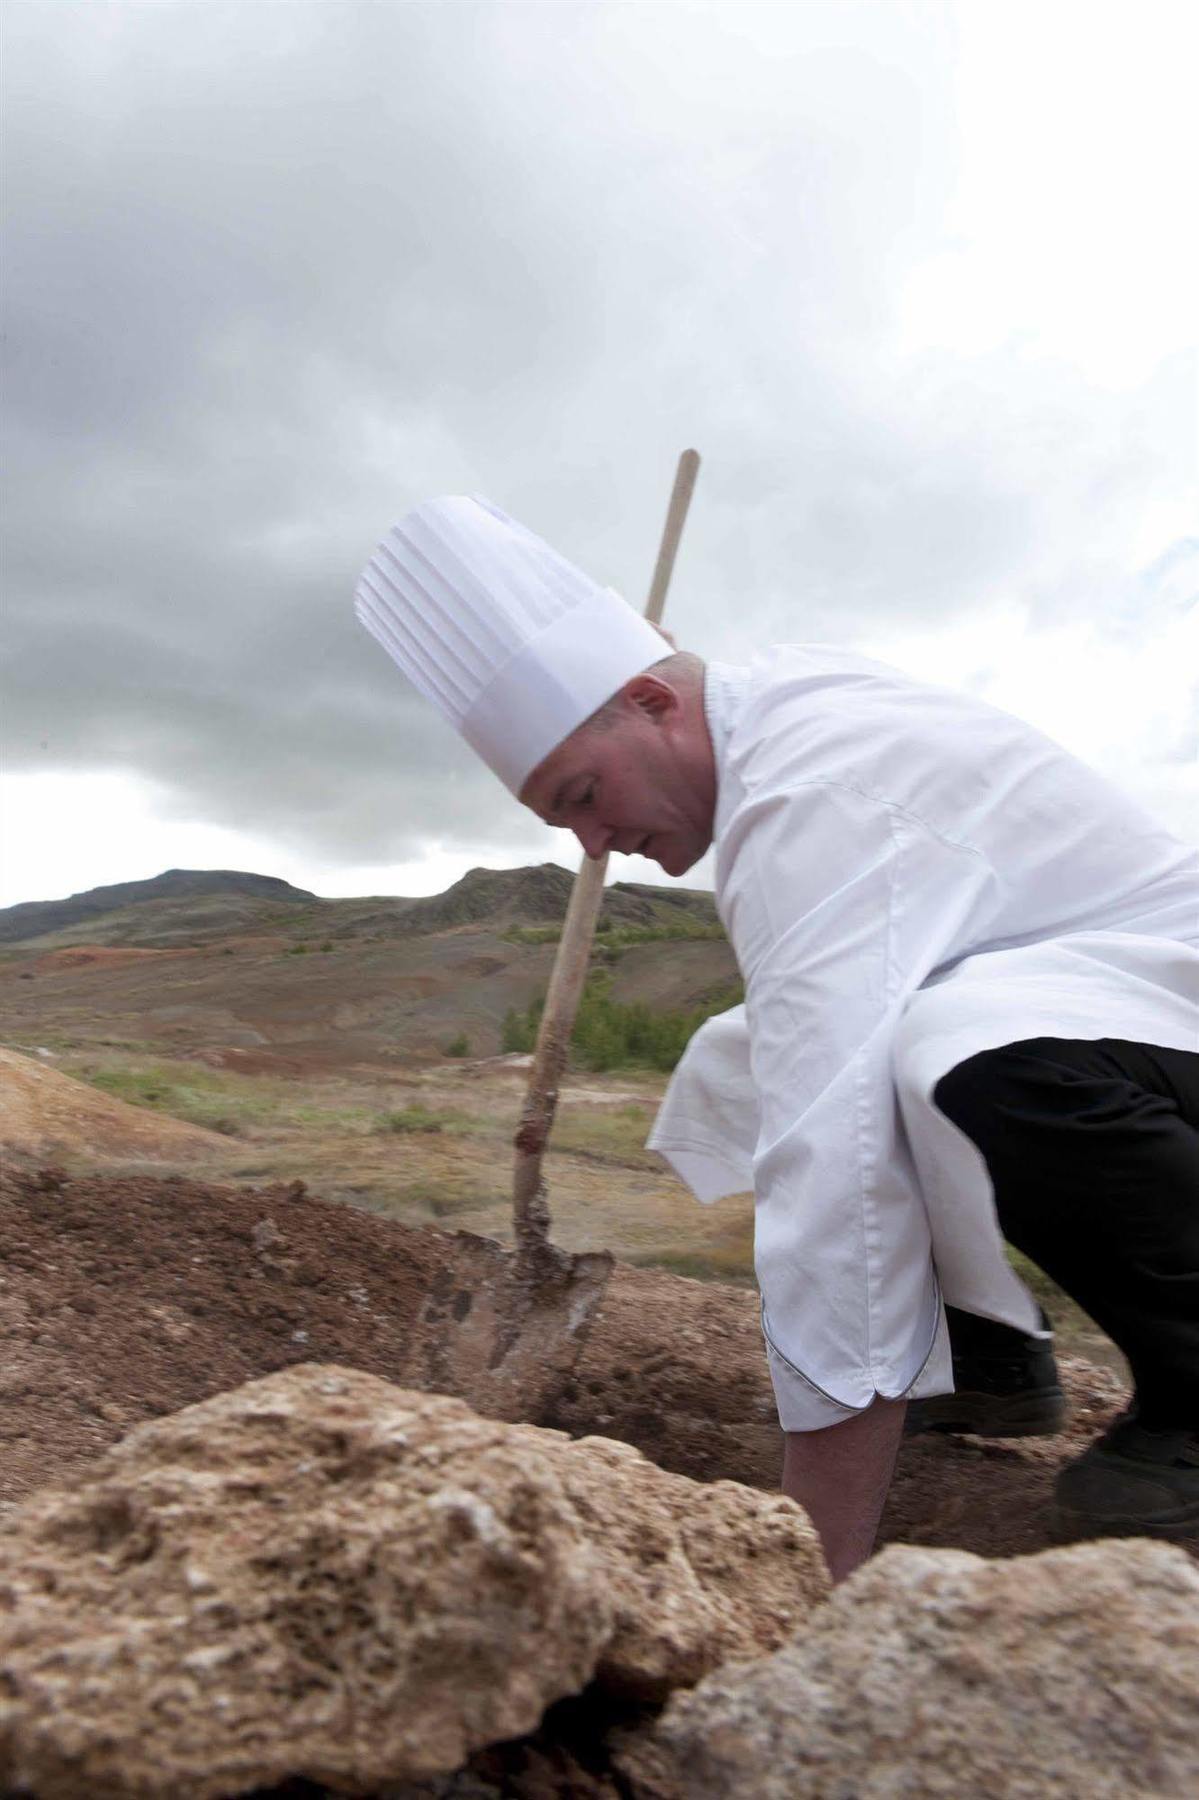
(343, 1118)
(198, 1097)
(616, 1133)
(416, 1202)
(408, 1119)
(423, 1118)
(446, 1203)
(721, 1263)
(221, 1100)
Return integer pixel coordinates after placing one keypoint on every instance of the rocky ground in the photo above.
(228, 1494)
(124, 1298)
(321, 1583)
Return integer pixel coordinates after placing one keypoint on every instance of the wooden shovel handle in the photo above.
(530, 1208)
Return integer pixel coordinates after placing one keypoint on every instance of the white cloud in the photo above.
(918, 280)
(67, 831)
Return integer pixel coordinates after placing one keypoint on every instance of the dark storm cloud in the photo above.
(277, 273)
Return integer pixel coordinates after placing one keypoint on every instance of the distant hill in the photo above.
(223, 965)
(39, 918)
(193, 907)
(540, 896)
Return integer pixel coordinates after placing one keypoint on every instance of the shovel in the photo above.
(540, 1300)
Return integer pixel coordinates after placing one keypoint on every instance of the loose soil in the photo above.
(127, 1297)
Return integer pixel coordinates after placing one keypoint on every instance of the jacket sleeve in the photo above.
(839, 904)
(707, 1124)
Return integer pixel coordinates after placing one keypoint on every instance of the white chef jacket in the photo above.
(907, 877)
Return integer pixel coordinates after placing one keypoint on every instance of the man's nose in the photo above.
(594, 837)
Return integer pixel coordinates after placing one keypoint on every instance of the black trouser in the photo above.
(1093, 1153)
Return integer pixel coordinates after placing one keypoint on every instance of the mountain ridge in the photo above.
(193, 906)
(270, 980)
(38, 918)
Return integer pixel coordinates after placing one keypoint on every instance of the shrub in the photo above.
(519, 1031)
(410, 1118)
(613, 1034)
(622, 937)
(458, 1046)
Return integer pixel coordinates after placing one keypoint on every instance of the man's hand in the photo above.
(840, 1476)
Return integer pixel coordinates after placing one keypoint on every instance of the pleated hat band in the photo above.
(514, 644)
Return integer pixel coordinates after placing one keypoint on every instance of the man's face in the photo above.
(641, 785)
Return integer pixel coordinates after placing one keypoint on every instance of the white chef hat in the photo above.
(513, 643)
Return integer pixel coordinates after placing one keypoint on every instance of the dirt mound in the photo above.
(125, 1298)
(45, 1114)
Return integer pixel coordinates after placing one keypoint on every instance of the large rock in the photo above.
(323, 1575)
(933, 1672)
(696, 1574)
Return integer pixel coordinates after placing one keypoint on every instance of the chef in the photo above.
(971, 1008)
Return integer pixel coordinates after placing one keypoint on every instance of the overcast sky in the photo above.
(918, 280)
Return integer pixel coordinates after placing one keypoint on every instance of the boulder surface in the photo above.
(936, 1673)
(325, 1576)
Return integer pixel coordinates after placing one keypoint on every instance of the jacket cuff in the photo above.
(706, 1170)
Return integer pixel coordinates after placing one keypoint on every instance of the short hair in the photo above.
(683, 669)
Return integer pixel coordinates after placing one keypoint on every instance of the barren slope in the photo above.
(333, 983)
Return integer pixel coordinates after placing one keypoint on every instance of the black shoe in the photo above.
(1132, 1482)
(1005, 1384)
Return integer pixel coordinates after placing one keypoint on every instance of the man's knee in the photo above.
(983, 1093)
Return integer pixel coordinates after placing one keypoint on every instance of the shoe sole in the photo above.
(1041, 1413)
(1070, 1525)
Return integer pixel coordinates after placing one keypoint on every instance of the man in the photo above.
(972, 1003)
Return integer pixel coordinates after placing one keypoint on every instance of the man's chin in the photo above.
(676, 859)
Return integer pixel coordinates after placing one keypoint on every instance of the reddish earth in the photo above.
(82, 956)
(124, 1298)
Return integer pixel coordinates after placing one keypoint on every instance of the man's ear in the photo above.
(652, 695)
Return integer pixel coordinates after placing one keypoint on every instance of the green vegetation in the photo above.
(726, 1256)
(412, 1118)
(718, 1264)
(235, 1104)
(611, 1034)
(614, 1134)
(620, 937)
(519, 1030)
(441, 1197)
(423, 1118)
(458, 1046)
(199, 1097)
